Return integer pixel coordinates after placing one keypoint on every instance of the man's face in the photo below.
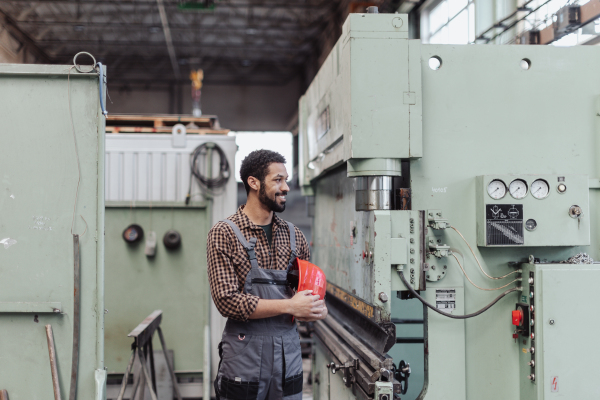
(274, 188)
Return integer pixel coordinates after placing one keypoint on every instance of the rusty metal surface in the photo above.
(144, 331)
(342, 236)
(403, 199)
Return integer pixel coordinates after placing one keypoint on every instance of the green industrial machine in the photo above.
(51, 232)
(466, 178)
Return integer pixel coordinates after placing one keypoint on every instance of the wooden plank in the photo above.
(134, 129)
(161, 117)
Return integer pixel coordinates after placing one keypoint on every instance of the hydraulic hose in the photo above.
(484, 309)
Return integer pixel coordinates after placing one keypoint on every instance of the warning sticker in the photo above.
(554, 384)
(445, 299)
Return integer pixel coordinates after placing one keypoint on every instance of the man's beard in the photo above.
(270, 203)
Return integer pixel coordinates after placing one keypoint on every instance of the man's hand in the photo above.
(304, 306)
(307, 307)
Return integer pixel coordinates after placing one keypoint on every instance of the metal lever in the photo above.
(349, 367)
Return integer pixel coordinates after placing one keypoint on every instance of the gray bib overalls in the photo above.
(261, 358)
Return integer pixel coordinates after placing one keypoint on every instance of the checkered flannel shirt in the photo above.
(228, 263)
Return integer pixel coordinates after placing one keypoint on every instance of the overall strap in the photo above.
(292, 244)
(247, 244)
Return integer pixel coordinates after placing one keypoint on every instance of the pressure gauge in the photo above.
(496, 189)
(518, 188)
(540, 189)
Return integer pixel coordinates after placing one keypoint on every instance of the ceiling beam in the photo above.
(179, 45)
(22, 37)
(257, 29)
(218, 4)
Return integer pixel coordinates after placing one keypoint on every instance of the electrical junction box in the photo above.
(533, 210)
(561, 352)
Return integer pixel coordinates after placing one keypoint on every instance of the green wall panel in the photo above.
(174, 281)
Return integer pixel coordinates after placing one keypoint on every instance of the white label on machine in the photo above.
(445, 299)
(554, 384)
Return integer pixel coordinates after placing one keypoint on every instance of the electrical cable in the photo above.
(100, 86)
(208, 184)
(478, 263)
(480, 288)
(425, 302)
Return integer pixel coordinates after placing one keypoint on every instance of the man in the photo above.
(249, 255)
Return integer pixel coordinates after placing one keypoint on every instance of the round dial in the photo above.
(540, 189)
(496, 189)
(518, 188)
(531, 224)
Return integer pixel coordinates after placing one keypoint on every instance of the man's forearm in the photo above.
(270, 308)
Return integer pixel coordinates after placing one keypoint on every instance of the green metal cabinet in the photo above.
(51, 187)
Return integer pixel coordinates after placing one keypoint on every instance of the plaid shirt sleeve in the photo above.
(302, 248)
(225, 285)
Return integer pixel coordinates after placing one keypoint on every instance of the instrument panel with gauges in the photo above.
(533, 210)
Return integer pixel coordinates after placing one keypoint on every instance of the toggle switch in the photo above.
(517, 317)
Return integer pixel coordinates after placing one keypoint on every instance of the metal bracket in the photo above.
(435, 220)
(437, 248)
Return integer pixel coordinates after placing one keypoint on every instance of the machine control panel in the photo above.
(532, 210)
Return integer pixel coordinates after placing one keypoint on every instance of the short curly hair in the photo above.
(257, 163)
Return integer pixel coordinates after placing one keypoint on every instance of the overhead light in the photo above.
(78, 28)
(154, 29)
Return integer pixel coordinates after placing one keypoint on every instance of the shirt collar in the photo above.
(242, 220)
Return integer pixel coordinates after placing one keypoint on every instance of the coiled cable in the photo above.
(198, 164)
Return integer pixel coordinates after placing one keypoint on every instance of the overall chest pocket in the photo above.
(239, 373)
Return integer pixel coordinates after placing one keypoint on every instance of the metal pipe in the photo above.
(373, 193)
(53, 369)
(76, 317)
(206, 373)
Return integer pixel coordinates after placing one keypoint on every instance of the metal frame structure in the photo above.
(155, 42)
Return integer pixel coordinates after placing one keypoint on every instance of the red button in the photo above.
(517, 317)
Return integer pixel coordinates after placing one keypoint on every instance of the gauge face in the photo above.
(518, 188)
(540, 189)
(531, 224)
(496, 189)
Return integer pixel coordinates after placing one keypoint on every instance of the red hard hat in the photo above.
(309, 277)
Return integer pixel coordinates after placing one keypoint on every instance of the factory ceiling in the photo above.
(158, 42)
